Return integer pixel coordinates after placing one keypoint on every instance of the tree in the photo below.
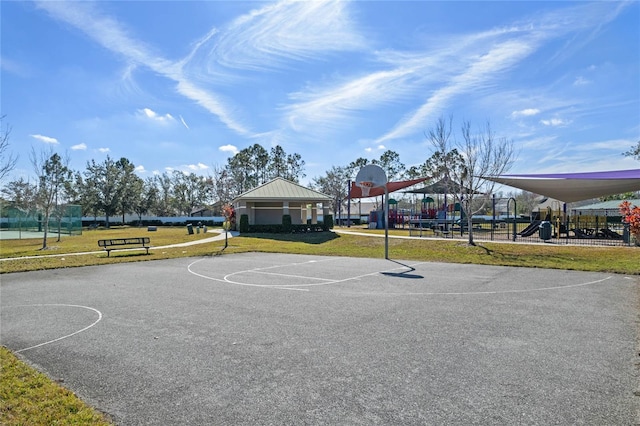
(526, 201)
(53, 177)
(391, 164)
(147, 198)
(634, 152)
(190, 191)
(355, 166)
(164, 199)
(87, 195)
(278, 166)
(129, 186)
(22, 196)
(479, 154)
(295, 168)
(239, 173)
(254, 166)
(103, 179)
(21, 193)
(334, 183)
(7, 160)
(221, 185)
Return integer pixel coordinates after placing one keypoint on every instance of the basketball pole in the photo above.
(386, 222)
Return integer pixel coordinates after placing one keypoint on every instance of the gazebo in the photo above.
(267, 203)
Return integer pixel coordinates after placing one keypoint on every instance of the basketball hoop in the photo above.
(365, 187)
(372, 176)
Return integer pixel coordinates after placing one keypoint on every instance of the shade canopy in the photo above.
(443, 186)
(356, 192)
(572, 187)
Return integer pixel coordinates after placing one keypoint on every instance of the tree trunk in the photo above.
(45, 228)
(470, 226)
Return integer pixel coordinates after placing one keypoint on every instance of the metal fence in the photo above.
(544, 226)
(67, 220)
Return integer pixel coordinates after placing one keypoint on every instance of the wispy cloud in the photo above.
(525, 112)
(505, 49)
(104, 150)
(479, 72)
(581, 81)
(555, 122)
(79, 147)
(289, 35)
(110, 34)
(326, 107)
(140, 169)
(46, 139)
(269, 37)
(184, 123)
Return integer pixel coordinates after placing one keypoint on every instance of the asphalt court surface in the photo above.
(291, 339)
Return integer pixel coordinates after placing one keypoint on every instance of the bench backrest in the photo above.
(123, 241)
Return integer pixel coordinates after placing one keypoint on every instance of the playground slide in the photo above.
(531, 229)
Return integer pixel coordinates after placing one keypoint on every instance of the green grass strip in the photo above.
(28, 397)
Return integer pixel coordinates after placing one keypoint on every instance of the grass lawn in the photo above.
(28, 397)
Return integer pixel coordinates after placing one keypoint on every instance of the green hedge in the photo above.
(279, 229)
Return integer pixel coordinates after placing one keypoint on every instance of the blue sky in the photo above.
(184, 85)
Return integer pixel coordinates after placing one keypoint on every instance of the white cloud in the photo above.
(554, 122)
(104, 150)
(79, 147)
(525, 112)
(378, 148)
(46, 139)
(229, 148)
(149, 113)
(140, 169)
(197, 167)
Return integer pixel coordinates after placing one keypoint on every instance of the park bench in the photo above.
(124, 243)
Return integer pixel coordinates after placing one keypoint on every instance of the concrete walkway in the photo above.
(220, 236)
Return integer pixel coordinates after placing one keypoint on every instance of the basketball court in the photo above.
(291, 339)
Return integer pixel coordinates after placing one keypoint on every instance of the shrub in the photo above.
(631, 216)
(244, 223)
(286, 223)
(328, 222)
(229, 213)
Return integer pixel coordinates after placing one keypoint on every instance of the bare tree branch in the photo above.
(8, 160)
